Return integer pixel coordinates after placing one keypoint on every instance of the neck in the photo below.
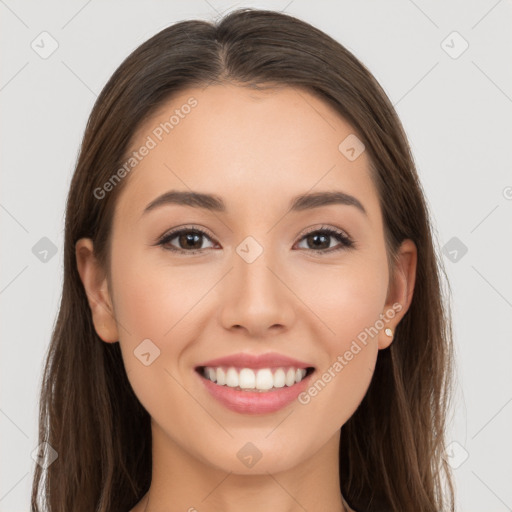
(183, 482)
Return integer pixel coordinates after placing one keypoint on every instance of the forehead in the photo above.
(246, 145)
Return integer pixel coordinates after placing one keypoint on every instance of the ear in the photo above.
(96, 288)
(400, 291)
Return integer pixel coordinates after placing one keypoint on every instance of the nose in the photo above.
(256, 297)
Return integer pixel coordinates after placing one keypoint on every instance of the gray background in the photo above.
(456, 112)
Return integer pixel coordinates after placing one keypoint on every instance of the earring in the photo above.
(389, 332)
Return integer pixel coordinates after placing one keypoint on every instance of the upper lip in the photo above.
(268, 360)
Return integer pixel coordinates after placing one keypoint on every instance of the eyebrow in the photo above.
(215, 203)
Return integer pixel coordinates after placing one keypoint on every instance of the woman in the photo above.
(252, 315)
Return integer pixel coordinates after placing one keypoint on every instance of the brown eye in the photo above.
(188, 240)
(191, 240)
(320, 240)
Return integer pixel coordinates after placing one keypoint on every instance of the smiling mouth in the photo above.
(251, 380)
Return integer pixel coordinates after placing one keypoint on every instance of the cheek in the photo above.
(348, 301)
(346, 298)
(149, 294)
(157, 303)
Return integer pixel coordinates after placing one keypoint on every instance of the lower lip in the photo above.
(252, 402)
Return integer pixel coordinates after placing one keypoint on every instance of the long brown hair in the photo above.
(392, 450)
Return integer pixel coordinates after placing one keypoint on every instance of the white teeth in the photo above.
(279, 378)
(261, 380)
(290, 377)
(246, 379)
(232, 378)
(219, 376)
(264, 379)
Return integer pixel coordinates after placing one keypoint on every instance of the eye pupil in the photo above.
(189, 239)
(316, 237)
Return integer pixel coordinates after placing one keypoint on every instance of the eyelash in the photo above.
(343, 238)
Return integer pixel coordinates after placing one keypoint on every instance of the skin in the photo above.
(256, 150)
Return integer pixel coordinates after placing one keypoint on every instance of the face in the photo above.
(254, 277)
